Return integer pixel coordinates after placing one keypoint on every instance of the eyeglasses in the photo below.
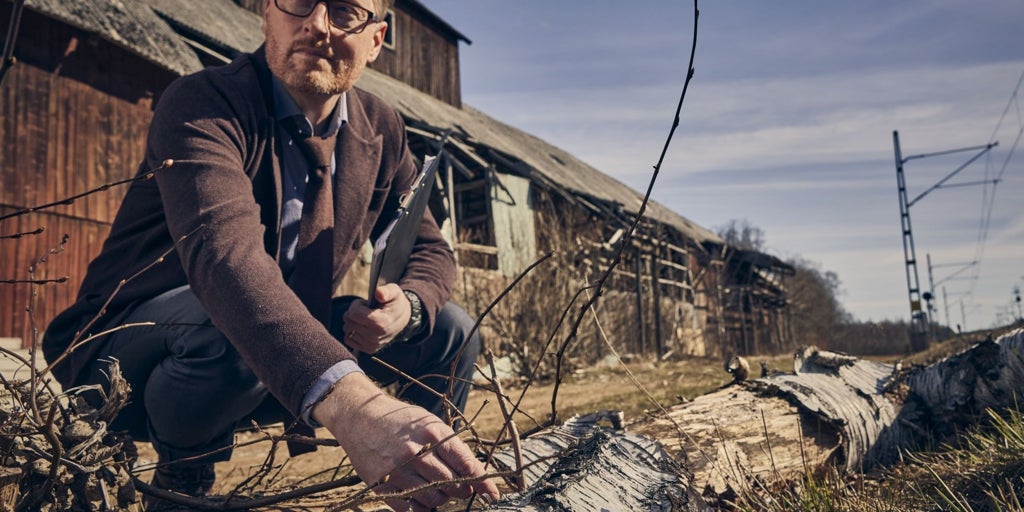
(347, 17)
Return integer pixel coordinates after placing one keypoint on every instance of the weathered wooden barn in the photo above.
(75, 107)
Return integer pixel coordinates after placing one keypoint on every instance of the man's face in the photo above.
(312, 57)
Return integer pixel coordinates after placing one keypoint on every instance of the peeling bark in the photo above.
(583, 466)
(833, 411)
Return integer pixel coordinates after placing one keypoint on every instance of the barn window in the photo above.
(476, 233)
(389, 36)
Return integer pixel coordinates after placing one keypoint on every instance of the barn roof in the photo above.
(158, 30)
(543, 160)
(126, 24)
(220, 24)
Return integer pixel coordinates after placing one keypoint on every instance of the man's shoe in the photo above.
(190, 479)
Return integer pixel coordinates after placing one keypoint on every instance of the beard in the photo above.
(308, 76)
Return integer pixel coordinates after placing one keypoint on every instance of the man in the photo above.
(231, 323)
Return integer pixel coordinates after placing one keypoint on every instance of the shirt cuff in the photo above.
(322, 385)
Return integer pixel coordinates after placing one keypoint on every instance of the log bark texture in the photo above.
(832, 411)
(582, 465)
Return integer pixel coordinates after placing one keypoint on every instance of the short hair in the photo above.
(382, 7)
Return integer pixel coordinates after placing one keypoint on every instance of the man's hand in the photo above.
(384, 436)
(369, 330)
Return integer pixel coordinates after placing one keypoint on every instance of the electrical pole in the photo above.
(1016, 294)
(930, 296)
(918, 318)
(945, 305)
(918, 329)
(963, 317)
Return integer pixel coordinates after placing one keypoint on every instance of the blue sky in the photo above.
(788, 123)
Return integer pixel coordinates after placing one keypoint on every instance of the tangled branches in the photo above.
(56, 450)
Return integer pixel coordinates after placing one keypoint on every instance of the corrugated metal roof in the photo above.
(135, 28)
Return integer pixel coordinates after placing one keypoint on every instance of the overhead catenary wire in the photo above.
(994, 178)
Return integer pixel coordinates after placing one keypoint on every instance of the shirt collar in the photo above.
(286, 109)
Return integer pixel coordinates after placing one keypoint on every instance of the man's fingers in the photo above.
(434, 469)
(387, 293)
(457, 456)
(402, 481)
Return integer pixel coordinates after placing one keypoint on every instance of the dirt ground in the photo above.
(602, 387)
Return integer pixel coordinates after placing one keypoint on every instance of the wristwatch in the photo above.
(415, 324)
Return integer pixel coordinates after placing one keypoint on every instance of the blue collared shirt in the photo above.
(294, 169)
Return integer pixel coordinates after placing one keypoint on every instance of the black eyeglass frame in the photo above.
(371, 18)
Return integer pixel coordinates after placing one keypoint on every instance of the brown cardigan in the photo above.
(225, 187)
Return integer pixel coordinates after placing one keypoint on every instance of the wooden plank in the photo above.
(74, 117)
(485, 249)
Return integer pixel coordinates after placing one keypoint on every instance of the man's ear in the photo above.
(266, 9)
(378, 39)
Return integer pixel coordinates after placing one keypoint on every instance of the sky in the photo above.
(788, 124)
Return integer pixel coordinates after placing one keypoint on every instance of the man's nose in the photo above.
(319, 19)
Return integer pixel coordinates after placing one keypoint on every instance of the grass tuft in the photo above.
(984, 472)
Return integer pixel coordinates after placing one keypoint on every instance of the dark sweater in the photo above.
(225, 188)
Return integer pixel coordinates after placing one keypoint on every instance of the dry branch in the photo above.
(58, 454)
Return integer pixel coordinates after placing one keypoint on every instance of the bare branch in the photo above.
(78, 341)
(59, 280)
(14, 236)
(625, 242)
(141, 177)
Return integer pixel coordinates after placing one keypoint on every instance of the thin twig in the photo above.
(141, 177)
(768, 441)
(56, 446)
(414, 381)
(59, 280)
(78, 341)
(636, 382)
(513, 430)
(487, 310)
(14, 236)
(564, 348)
(628, 237)
(33, 383)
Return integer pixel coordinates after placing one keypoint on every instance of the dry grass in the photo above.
(606, 387)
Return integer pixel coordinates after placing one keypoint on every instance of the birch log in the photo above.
(832, 411)
(836, 411)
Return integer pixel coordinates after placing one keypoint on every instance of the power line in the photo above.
(988, 197)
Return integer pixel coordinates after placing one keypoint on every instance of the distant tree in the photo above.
(740, 233)
(815, 312)
(816, 315)
(886, 337)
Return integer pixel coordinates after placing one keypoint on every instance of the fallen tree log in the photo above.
(582, 465)
(833, 411)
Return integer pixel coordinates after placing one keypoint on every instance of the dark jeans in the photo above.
(191, 389)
